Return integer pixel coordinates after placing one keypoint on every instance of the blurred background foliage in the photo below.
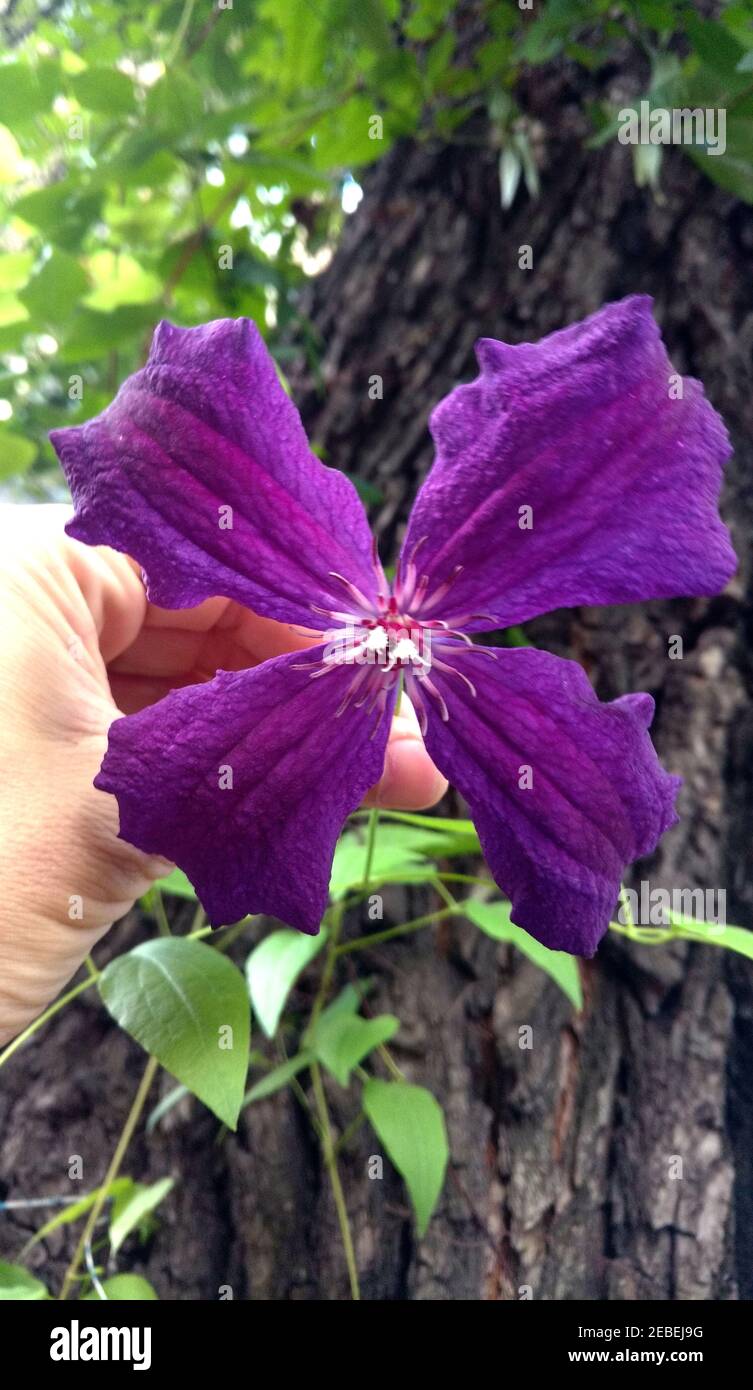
(192, 159)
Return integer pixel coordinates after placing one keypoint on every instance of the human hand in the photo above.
(82, 645)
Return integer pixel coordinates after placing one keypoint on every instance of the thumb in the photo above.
(410, 781)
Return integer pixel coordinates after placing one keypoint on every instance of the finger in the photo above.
(160, 652)
(133, 693)
(190, 645)
(410, 781)
(94, 591)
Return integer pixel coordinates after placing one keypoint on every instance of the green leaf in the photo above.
(401, 852)
(63, 211)
(119, 279)
(657, 14)
(178, 884)
(389, 861)
(11, 159)
(25, 91)
(94, 335)
(273, 968)
(717, 86)
(714, 44)
(53, 293)
(343, 1040)
(104, 89)
(494, 919)
(12, 311)
(647, 163)
(16, 1283)
(174, 104)
(510, 170)
(164, 1106)
(530, 167)
(15, 269)
(278, 1077)
(74, 1210)
(344, 135)
(515, 637)
(409, 1122)
(348, 1001)
(177, 997)
(370, 495)
(16, 454)
(130, 1208)
(426, 17)
(439, 58)
(463, 829)
(445, 844)
(125, 1288)
(732, 170)
(345, 1004)
(713, 934)
(443, 836)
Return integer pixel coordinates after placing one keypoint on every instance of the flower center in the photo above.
(392, 640)
(394, 635)
(385, 644)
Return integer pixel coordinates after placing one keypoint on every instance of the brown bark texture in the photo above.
(560, 1178)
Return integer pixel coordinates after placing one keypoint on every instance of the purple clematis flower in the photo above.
(570, 472)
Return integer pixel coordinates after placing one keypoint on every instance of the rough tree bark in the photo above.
(560, 1176)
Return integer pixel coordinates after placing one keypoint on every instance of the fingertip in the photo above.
(410, 781)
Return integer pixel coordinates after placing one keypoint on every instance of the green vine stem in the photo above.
(199, 920)
(329, 1151)
(336, 915)
(160, 915)
(376, 938)
(121, 1147)
(349, 1132)
(48, 1014)
(330, 1160)
(390, 1063)
(373, 826)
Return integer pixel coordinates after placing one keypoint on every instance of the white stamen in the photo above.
(377, 641)
(404, 650)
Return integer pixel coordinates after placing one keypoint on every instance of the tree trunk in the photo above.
(563, 1179)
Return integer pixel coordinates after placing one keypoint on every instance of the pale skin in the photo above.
(82, 646)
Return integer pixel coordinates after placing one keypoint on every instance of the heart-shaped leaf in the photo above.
(130, 1209)
(343, 1040)
(494, 919)
(410, 1124)
(188, 1006)
(278, 1077)
(16, 1283)
(273, 968)
(178, 884)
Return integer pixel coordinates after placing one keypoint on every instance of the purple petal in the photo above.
(599, 798)
(264, 843)
(206, 426)
(622, 479)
